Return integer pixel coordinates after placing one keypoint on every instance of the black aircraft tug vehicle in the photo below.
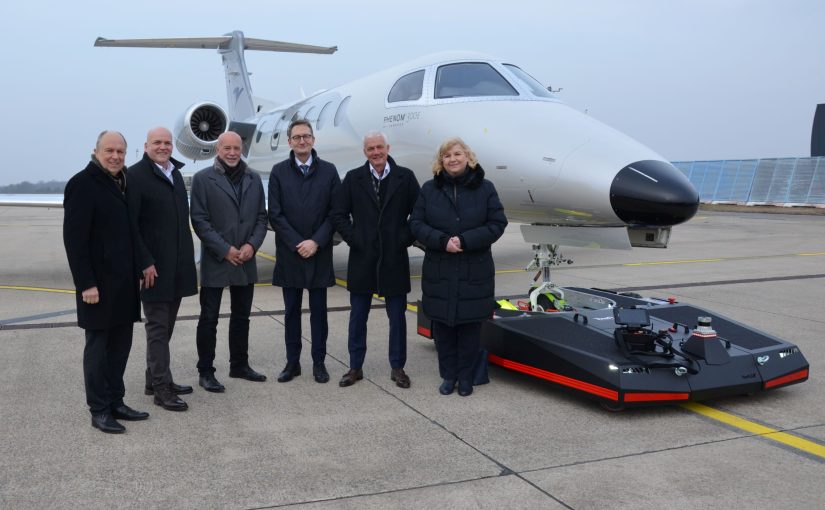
(625, 350)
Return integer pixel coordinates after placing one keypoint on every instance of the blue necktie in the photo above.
(304, 169)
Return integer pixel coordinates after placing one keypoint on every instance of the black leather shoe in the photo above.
(351, 378)
(319, 372)
(247, 373)
(168, 400)
(124, 412)
(106, 423)
(447, 386)
(290, 370)
(209, 383)
(177, 389)
(402, 380)
(465, 388)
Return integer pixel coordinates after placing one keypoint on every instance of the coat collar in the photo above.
(218, 175)
(176, 165)
(98, 173)
(393, 180)
(314, 165)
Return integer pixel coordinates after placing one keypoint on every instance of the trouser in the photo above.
(240, 297)
(317, 322)
(160, 323)
(104, 361)
(457, 348)
(357, 340)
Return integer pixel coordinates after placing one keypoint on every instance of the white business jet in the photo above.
(569, 179)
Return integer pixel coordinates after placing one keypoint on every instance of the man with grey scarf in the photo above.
(229, 216)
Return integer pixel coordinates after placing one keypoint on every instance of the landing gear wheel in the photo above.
(545, 304)
(613, 407)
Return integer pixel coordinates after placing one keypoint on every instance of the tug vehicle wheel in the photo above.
(613, 407)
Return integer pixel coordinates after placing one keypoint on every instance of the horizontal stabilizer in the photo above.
(215, 43)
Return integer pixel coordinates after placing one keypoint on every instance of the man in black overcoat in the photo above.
(159, 213)
(99, 249)
(229, 217)
(300, 195)
(370, 212)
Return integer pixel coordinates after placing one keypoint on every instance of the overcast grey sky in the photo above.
(692, 79)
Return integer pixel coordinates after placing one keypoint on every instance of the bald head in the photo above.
(229, 148)
(158, 145)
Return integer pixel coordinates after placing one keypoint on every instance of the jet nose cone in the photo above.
(653, 193)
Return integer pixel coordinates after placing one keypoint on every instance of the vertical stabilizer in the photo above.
(238, 88)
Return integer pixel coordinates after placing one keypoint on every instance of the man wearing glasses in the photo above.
(300, 194)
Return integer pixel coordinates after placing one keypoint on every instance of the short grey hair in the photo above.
(106, 132)
(373, 134)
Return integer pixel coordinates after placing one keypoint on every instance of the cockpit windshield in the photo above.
(536, 88)
(470, 79)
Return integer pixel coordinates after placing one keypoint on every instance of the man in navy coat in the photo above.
(98, 243)
(300, 194)
(229, 216)
(370, 211)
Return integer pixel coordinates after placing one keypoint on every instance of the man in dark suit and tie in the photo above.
(300, 193)
(96, 234)
(229, 216)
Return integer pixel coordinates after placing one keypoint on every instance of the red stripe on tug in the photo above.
(653, 397)
(793, 376)
(556, 378)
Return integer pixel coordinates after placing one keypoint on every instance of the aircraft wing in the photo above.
(31, 200)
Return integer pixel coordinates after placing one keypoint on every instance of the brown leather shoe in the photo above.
(402, 380)
(351, 378)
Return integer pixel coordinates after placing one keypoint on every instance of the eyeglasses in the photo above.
(298, 138)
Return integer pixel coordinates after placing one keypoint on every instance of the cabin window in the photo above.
(536, 88)
(308, 115)
(408, 88)
(323, 117)
(341, 112)
(470, 79)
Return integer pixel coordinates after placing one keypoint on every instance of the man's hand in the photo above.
(247, 252)
(454, 245)
(307, 248)
(149, 275)
(91, 296)
(234, 256)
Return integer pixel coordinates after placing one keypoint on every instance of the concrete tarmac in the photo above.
(517, 442)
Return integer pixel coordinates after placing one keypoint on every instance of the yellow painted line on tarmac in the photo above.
(785, 438)
(814, 254)
(265, 255)
(667, 262)
(36, 289)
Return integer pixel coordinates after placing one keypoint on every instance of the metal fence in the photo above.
(775, 181)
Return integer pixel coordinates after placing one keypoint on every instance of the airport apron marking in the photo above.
(785, 438)
(36, 289)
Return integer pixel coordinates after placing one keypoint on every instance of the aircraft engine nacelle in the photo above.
(197, 132)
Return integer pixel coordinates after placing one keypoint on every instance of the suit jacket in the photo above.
(223, 218)
(299, 209)
(378, 235)
(96, 235)
(159, 213)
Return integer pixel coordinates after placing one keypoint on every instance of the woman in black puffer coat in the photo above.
(458, 216)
